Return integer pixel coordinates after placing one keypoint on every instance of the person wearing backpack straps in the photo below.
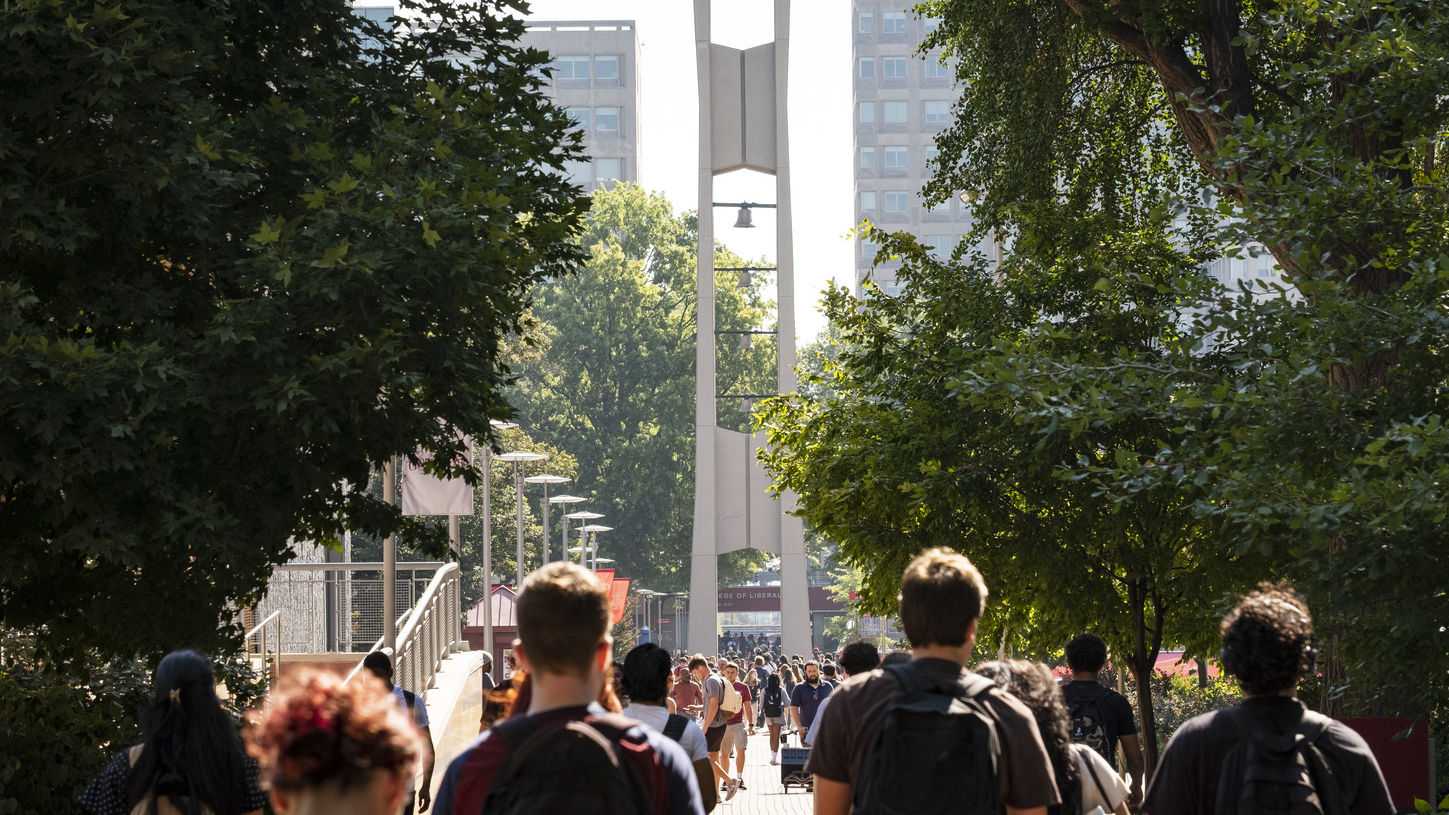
(1086, 783)
(930, 736)
(646, 681)
(563, 752)
(1101, 717)
(1269, 754)
(379, 664)
(190, 752)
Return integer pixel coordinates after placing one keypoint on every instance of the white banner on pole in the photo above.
(427, 494)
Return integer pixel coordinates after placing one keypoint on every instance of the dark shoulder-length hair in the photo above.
(1033, 684)
(191, 749)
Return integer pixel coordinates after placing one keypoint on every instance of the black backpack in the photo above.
(1089, 724)
(674, 726)
(774, 702)
(568, 766)
(935, 750)
(1278, 773)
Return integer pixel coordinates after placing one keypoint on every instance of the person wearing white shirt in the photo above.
(647, 681)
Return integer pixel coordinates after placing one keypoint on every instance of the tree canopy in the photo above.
(247, 251)
(1098, 411)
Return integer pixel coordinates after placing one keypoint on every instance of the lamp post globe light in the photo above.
(564, 500)
(545, 480)
(516, 458)
(585, 516)
(594, 530)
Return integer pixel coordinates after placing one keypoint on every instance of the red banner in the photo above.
(606, 577)
(619, 598)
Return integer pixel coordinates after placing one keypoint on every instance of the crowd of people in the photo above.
(909, 731)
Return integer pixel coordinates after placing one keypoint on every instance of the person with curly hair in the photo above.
(1086, 782)
(328, 746)
(190, 759)
(1268, 646)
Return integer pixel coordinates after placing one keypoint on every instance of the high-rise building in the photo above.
(901, 102)
(596, 79)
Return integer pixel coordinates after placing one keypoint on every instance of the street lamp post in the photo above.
(564, 500)
(545, 480)
(516, 458)
(487, 517)
(585, 516)
(595, 529)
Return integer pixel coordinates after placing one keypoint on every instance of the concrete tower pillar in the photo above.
(742, 125)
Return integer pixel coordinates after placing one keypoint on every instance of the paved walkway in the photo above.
(763, 792)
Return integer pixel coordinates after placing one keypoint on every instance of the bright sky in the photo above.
(822, 183)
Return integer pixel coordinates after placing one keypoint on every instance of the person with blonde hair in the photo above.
(332, 747)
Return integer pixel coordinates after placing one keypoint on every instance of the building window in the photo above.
(897, 202)
(579, 172)
(937, 112)
(932, 153)
(867, 68)
(867, 201)
(865, 23)
(571, 68)
(893, 67)
(580, 117)
(867, 158)
(935, 69)
(867, 113)
(897, 157)
(606, 120)
(606, 68)
(892, 22)
(895, 112)
(940, 246)
(868, 248)
(931, 24)
(606, 169)
(943, 205)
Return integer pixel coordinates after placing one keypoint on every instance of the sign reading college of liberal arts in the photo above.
(427, 494)
(767, 598)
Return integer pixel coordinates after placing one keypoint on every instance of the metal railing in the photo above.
(337, 607)
(432, 632)
(266, 651)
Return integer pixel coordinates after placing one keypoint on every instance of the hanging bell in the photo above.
(747, 405)
(746, 343)
(746, 280)
(742, 221)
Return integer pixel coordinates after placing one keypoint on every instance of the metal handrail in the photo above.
(434, 631)
(377, 646)
(274, 671)
(429, 632)
(364, 566)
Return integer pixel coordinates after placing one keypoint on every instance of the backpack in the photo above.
(1089, 724)
(674, 727)
(730, 702)
(1271, 773)
(168, 795)
(569, 766)
(935, 750)
(774, 702)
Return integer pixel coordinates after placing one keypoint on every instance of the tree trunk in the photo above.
(1143, 659)
(1202, 672)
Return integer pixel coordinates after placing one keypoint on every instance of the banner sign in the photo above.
(427, 494)
(619, 597)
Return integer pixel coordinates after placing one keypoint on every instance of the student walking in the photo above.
(190, 754)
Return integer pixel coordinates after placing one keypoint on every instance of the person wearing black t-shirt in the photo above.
(1101, 717)
(1267, 645)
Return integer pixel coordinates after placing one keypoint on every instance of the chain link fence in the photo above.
(337, 607)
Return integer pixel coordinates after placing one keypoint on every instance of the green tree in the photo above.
(1312, 424)
(243, 258)
(617, 386)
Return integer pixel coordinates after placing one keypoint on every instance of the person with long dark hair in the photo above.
(1085, 781)
(190, 759)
